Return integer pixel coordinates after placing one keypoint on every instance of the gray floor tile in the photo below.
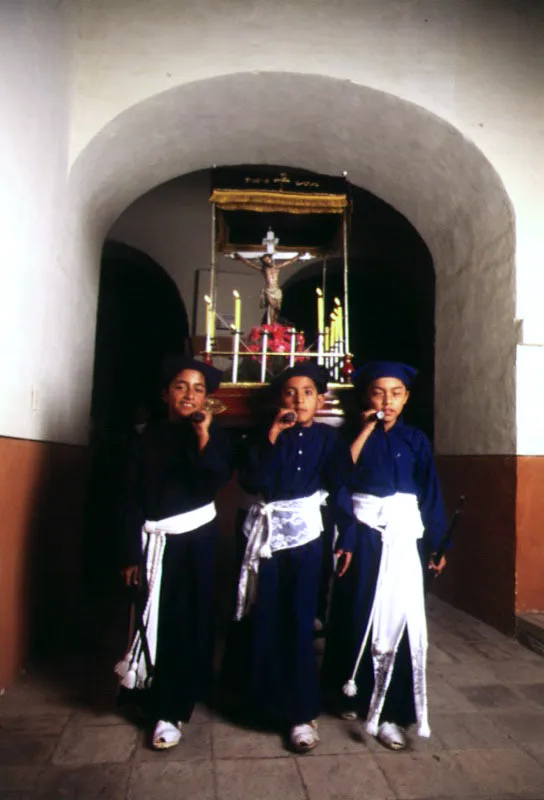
(171, 780)
(516, 671)
(43, 725)
(472, 673)
(18, 779)
(339, 736)
(492, 696)
(104, 782)
(508, 771)
(533, 692)
(259, 779)
(523, 726)
(24, 747)
(232, 741)
(423, 775)
(80, 746)
(473, 729)
(349, 777)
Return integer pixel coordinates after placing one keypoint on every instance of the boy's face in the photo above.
(300, 395)
(389, 395)
(186, 394)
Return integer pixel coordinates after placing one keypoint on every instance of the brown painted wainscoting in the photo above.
(530, 534)
(42, 501)
(481, 573)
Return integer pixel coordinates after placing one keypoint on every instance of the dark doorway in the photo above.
(140, 318)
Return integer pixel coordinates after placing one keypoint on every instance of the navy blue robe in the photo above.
(400, 460)
(283, 679)
(167, 476)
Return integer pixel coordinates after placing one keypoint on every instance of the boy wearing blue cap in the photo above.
(292, 465)
(170, 530)
(377, 640)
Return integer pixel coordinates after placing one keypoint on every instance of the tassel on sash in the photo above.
(398, 602)
(132, 669)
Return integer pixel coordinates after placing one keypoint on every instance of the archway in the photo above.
(413, 160)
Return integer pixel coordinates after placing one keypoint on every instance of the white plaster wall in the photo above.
(46, 321)
(477, 64)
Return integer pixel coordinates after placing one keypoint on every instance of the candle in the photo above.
(327, 339)
(235, 353)
(320, 310)
(208, 302)
(334, 328)
(237, 310)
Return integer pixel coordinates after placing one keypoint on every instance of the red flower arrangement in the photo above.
(279, 341)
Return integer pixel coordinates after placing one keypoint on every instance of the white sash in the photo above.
(132, 669)
(398, 603)
(269, 527)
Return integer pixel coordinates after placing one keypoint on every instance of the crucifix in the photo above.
(268, 264)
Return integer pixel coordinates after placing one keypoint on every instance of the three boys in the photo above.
(293, 465)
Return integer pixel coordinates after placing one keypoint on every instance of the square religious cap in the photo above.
(373, 370)
(306, 369)
(172, 365)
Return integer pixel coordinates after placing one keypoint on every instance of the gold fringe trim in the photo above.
(286, 202)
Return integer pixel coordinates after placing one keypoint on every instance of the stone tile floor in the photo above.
(59, 741)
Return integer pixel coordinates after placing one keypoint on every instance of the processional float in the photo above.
(269, 219)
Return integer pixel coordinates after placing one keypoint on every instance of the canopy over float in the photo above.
(269, 219)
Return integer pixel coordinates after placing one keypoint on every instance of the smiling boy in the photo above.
(292, 465)
(169, 543)
(377, 639)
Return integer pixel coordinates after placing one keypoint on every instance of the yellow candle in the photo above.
(327, 339)
(333, 328)
(237, 310)
(320, 310)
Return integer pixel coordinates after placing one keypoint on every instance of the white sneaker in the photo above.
(166, 735)
(392, 736)
(304, 737)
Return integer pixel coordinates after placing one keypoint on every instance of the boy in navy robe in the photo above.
(292, 465)
(377, 637)
(169, 544)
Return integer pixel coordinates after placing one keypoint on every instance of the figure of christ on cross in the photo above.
(271, 295)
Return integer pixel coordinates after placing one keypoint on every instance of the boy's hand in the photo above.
(343, 561)
(131, 575)
(437, 568)
(369, 420)
(284, 419)
(201, 427)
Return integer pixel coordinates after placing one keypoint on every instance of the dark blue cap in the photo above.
(306, 369)
(373, 370)
(173, 365)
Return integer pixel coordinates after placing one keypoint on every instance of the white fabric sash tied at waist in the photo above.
(399, 601)
(132, 669)
(269, 527)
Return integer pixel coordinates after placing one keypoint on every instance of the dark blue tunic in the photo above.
(400, 460)
(283, 671)
(167, 476)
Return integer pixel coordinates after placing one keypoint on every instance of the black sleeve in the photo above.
(256, 472)
(215, 460)
(338, 474)
(131, 514)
